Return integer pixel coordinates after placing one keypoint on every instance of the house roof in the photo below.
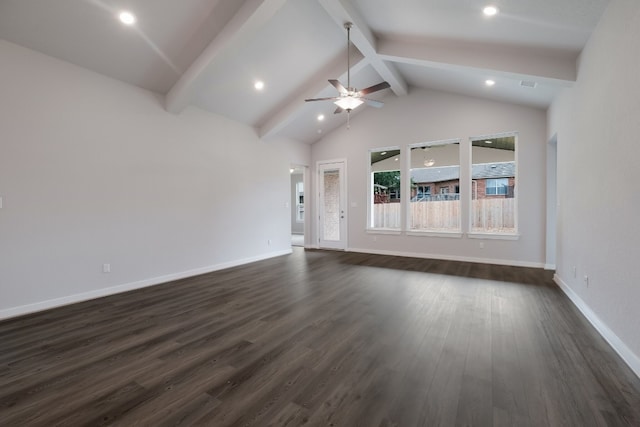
(493, 170)
(209, 53)
(450, 173)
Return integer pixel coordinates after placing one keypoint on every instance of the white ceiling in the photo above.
(210, 52)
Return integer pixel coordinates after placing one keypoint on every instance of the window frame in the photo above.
(457, 234)
(370, 194)
(492, 235)
(496, 187)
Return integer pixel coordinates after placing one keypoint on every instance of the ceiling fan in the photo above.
(349, 97)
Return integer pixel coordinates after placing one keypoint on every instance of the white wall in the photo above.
(424, 116)
(94, 171)
(598, 125)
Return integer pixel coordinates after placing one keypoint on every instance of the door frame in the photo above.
(342, 243)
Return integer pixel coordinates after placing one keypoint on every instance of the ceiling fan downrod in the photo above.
(348, 26)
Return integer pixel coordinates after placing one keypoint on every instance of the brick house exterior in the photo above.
(489, 181)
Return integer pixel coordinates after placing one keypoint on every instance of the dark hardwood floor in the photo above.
(320, 338)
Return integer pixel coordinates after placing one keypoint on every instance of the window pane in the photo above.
(384, 193)
(435, 187)
(493, 178)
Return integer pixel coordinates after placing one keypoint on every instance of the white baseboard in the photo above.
(449, 258)
(550, 267)
(85, 296)
(629, 357)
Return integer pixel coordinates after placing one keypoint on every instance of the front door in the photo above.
(333, 218)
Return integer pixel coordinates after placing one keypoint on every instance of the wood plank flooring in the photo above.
(320, 339)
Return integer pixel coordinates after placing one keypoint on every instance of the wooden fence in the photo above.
(386, 215)
(493, 215)
(488, 215)
(435, 216)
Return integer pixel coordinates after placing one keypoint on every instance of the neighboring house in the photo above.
(489, 180)
(380, 194)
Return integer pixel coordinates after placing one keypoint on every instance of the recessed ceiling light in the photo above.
(490, 11)
(259, 85)
(490, 82)
(396, 159)
(127, 18)
(320, 117)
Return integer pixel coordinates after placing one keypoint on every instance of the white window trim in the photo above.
(494, 236)
(407, 195)
(369, 228)
(487, 235)
(449, 234)
(391, 231)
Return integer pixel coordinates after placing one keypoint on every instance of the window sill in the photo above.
(449, 234)
(392, 231)
(494, 236)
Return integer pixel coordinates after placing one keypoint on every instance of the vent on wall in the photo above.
(528, 83)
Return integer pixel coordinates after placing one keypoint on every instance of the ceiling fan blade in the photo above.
(338, 110)
(373, 103)
(374, 88)
(338, 86)
(332, 98)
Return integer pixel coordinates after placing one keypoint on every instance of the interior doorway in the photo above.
(297, 205)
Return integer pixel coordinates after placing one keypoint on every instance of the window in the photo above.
(434, 166)
(496, 186)
(493, 185)
(385, 189)
(424, 189)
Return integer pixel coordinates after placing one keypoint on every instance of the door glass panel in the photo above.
(331, 225)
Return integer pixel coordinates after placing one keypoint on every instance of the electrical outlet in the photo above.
(106, 268)
(481, 245)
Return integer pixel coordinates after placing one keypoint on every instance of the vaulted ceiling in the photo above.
(209, 53)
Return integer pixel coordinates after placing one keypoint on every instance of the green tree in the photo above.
(390, 179)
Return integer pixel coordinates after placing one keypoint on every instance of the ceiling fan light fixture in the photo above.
(490, 10)
(127, 17)
(348, 103)
(349, 97)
